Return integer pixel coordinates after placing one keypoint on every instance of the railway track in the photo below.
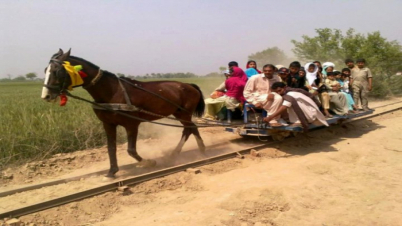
(140, 178)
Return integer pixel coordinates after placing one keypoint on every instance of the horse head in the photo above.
(57, 79)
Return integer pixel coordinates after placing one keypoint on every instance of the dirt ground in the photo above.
(343, 175)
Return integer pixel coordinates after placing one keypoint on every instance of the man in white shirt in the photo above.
(258, 92)
(302, 109)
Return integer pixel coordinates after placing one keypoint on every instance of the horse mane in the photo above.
(80, 59)
(107, 73)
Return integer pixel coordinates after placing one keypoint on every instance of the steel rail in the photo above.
(148, 176)
(76, 178)
(128, 181)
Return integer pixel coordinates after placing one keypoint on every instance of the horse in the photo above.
(161, 98)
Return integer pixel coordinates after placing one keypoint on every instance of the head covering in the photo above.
(250, 72)
(235, 84)
(325, 66)
(311, 76)
(248, 63)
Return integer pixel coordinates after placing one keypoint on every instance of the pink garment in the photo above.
(235, 84)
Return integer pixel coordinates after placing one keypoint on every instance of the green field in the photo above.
(34, 129)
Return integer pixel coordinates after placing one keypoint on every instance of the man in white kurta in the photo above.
(258, 92)
(309, 108)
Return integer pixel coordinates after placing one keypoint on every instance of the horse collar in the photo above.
(94, 80)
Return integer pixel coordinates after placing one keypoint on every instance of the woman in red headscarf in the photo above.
(234, 88)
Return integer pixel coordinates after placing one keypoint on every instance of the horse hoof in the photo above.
(146, 163)
(108, 179)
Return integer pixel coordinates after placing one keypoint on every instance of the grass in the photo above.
(34, 129)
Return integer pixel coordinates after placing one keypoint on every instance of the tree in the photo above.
(382, 56)
(19, 78)
(272, 55)
(121, 75)
(222, 69)
(31, 75)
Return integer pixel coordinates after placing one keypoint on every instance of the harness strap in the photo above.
(115, 107)
(128, 102)
(95, 80)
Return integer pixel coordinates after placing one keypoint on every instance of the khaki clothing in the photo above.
(360, 86)
(331, 83)
(360, 76)
(360, 95)
(338, 103)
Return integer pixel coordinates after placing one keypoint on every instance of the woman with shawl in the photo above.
(327, 67)
(234, 89)
(315, 85)
(252, 69)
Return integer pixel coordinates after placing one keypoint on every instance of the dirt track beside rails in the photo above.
(343, 175)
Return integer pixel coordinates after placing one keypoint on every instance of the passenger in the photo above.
(346, 79)
(233, 64)
(294, 69)
(252, 69)
(234, 89)
(302, 72)
(319, 73)
(317, 87)
(284, 75)
(258, 92)
(214, 106)
(327, 67)
(361, 82)
(344, 83)
(301, 109)
(338, 102)
(350, 64)
(302, 83)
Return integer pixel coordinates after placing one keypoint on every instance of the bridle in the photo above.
(57, 88)
(61, 89)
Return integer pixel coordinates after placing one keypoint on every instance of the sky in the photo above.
(160, 36)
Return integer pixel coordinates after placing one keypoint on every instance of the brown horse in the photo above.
(163, 98)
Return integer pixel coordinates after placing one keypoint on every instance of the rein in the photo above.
(118, 108)
(105, 107)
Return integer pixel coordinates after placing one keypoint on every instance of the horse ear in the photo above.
(60, 52)
(65, 55)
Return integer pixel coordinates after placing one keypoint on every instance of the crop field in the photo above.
(34, 129)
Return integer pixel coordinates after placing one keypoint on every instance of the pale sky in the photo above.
(159, 36)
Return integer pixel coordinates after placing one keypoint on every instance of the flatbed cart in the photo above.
(259, 128)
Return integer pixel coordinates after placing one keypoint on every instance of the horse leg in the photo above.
(187, 131)
(110, 130)
(199, 140)
(132, 133)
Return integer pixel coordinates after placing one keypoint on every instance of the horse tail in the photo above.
(199, 110)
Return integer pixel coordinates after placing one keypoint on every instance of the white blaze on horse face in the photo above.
(45, 90)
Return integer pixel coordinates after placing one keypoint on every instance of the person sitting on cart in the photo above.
(338, 101)
(215, 105)
(234, 89)
(258, 92)
(301, 108)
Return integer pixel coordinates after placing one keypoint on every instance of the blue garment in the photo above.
(349, 100)
(250, 72)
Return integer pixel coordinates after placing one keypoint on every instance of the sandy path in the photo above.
(336, 176)
(333, 177)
